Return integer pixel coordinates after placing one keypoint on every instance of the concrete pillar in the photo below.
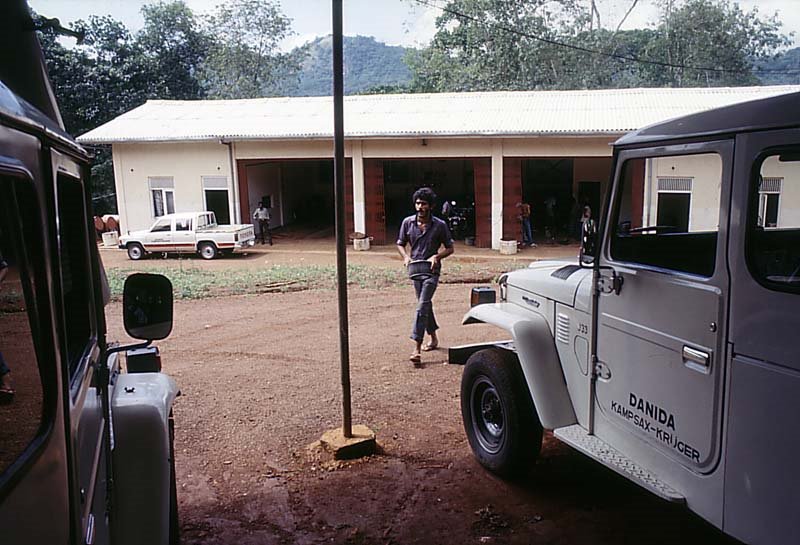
(497, 193)
(359, 200)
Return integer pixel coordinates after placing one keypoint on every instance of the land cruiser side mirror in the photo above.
(588, 242)
(147, 306)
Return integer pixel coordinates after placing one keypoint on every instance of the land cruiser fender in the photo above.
(140, 406)
(538, 359)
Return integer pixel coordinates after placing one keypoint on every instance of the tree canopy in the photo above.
(560, 44)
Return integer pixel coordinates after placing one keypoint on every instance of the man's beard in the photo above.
(423, 214)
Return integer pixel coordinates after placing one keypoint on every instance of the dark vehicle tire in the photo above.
(174, 522)
(207, 250)
(500, 420)
(135, 251)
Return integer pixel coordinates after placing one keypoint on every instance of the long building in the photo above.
(549, 148)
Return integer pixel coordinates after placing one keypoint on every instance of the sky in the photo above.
(395, 22)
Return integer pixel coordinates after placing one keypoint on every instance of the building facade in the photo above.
(485, 151)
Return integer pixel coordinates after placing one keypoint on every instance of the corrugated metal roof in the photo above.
(521, 113)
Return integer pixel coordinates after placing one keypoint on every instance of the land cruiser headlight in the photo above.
(503, 283)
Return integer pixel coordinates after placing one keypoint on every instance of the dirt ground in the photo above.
(260, 383)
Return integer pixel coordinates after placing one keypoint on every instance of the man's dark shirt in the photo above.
(424, 244)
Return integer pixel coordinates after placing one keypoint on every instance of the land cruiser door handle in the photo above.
(694, 356)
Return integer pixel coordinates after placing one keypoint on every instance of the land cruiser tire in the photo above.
(208, 250)
(499, 417)
(135, 251)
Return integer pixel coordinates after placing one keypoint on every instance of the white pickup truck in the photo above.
(188, 232)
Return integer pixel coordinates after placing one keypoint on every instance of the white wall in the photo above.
(188, 162)
(789, 201)
(185, 163)
(705, 171)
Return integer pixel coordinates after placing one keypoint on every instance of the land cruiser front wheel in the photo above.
(499, 417)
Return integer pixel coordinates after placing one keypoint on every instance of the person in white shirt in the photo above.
(262, 216)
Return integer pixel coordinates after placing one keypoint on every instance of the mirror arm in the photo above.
(128, 347)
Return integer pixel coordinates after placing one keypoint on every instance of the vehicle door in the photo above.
(80, 343)
(661, 341)
(183, 235)
(159, 238)
(34, 474)
(762, 446)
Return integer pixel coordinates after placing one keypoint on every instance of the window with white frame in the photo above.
(769, 195)
(162, 193)
(674, 202)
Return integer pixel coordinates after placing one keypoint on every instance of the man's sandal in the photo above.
(415, 358)
(430, 346)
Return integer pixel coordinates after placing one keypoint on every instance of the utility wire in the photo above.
(617, 56)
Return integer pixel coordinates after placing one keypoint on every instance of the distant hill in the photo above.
(788, 63)
(367, 64)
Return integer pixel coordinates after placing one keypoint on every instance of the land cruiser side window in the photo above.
(667, 212)
(76, 287)
(22, 393)
(773, 235)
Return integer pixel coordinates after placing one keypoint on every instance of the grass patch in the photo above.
(196, 283)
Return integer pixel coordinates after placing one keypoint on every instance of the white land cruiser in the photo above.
(669, 354)
(189, 232)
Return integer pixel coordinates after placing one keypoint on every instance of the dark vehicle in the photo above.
(85, 449)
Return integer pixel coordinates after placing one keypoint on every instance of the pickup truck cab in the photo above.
(189, 232)
(668, 354)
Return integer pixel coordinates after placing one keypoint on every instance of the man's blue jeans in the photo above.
(424, 320)
(527, 235)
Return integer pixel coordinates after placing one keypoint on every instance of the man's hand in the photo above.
(434, 259)
(406, 260)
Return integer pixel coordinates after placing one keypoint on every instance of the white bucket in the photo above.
(361, 244)
(110, 239)
(508, 247)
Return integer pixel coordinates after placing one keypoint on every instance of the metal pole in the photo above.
(341, 255)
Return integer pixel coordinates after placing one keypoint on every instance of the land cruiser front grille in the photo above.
(562, 328)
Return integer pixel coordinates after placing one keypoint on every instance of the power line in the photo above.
(617, 56)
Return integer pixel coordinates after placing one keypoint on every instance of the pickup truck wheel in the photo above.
(207, 250)
(499, 417)
(135, 251)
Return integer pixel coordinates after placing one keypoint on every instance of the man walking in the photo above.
(430, 240)
(262, 216)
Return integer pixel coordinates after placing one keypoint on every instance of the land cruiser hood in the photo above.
(561, 281)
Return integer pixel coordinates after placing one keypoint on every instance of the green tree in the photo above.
(175, 48)
(716, 35)
(474, 48)
(560, 44)
(244, 61)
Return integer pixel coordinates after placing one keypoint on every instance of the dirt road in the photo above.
(259, 377)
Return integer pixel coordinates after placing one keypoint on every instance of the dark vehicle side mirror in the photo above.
(147, 306)
(588, 242)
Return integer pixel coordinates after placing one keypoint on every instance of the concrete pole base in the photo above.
(343, 448)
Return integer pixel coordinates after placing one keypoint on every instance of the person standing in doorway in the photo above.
(261, 215)
(525, 217)
(429, 239)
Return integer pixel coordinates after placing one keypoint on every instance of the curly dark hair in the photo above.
(424, 194)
